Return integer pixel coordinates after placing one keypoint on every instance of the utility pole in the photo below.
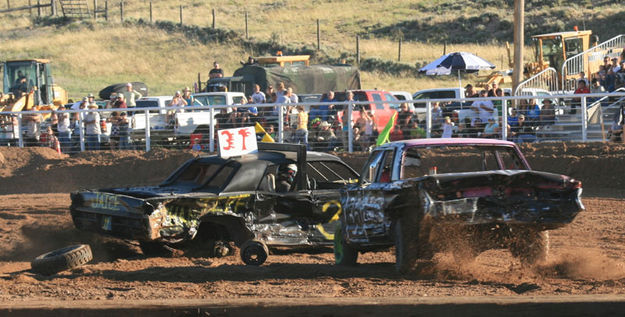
(519, 38)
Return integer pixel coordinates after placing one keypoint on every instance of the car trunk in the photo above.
(510, 196)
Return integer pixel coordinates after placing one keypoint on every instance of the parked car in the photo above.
(213, 200)
(475, 194)
(382, 112)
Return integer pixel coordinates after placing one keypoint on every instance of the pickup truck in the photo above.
(463, 195)
(166, 128)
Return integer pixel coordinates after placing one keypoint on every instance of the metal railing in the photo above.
(546, 79)
(576, 64)
(195, 127)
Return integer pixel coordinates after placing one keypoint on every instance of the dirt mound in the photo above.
(42, 170)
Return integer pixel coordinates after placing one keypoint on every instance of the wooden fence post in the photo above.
(399, 52)
(39, 8)
(181, 15)
(106, 10)
(151, 12)
(318, 36)
(358, 49)
(246, 34)
(213, 12)
(52, 7)
(8, 4)
(30, 8)
(121, 11)
(199, 82)
(95, 9)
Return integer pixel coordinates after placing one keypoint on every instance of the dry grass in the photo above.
(87, 59)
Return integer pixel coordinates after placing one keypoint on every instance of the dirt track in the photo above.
(586, 256)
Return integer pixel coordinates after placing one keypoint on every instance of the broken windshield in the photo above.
(204, 176)
(420, 161)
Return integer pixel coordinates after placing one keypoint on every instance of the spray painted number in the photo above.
(105, 201)
(331, 206)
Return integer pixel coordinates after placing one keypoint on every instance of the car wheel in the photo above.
(62, 259)
(254, 252)
(530, 246)
(406, 244)
(344, 254)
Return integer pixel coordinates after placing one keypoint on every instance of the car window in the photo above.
(400, 97)
(220, 179)
(237, 99)
(377, 97)
(370, 167)
(386, 170)
(421, 161)
(196, 174)
(330, 171)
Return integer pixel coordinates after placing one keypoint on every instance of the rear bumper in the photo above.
(549, 214)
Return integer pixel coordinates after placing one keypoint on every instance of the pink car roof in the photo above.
(454, 141)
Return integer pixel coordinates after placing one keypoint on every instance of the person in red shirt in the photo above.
(582, 88)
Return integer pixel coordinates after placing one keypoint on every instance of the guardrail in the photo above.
(546, 79)
(576, 64)
(182, 128)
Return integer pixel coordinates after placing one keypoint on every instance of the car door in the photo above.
(364, 205)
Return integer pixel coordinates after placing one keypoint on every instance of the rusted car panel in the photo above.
(236, 194)
(489, 186)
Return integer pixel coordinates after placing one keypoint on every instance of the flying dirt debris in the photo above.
(489, 197)
(212, 200)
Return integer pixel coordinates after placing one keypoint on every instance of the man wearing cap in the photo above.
(92, 128)
(130, 95)
(91, 99)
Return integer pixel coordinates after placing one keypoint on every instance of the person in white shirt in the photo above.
(258, 96)
(484, 109)
(63, 128)
(130, 95)
(448, 128)
(92, 128)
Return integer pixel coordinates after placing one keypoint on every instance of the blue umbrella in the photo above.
(456, 62)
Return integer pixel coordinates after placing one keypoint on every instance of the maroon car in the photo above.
(469, 195)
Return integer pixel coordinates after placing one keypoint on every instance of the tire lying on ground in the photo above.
(62, 259)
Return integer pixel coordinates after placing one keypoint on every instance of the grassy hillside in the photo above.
(90, 55)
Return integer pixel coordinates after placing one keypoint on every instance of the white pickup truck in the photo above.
(169, 127)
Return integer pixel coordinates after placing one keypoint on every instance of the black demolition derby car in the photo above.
(281, 195)
(469, 195)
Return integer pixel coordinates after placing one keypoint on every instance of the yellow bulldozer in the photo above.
(28, 85)
(552, 50)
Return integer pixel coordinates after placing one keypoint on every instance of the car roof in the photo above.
(448, 141)
(219, 93)
(155, 97)
(272, 157)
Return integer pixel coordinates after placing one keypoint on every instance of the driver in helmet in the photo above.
(286, 178)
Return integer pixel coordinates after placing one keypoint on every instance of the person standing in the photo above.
(301, 134)
(63, 128)
(124, 133)
(131, 95)
(92, 128)
(186, 95)
(448, 128)
(32, 132)
(258, 96)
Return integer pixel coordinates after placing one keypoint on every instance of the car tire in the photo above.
(405, 236)
(254, 252)
(530, 246)
(62, 259)
(344, 254)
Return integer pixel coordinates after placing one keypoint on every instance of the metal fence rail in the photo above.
(174, 127)
(546, 79)
(577, 63)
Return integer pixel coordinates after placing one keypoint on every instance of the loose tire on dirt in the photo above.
(530, 246)
(344, 254)
(62, 259)
(254, 252)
